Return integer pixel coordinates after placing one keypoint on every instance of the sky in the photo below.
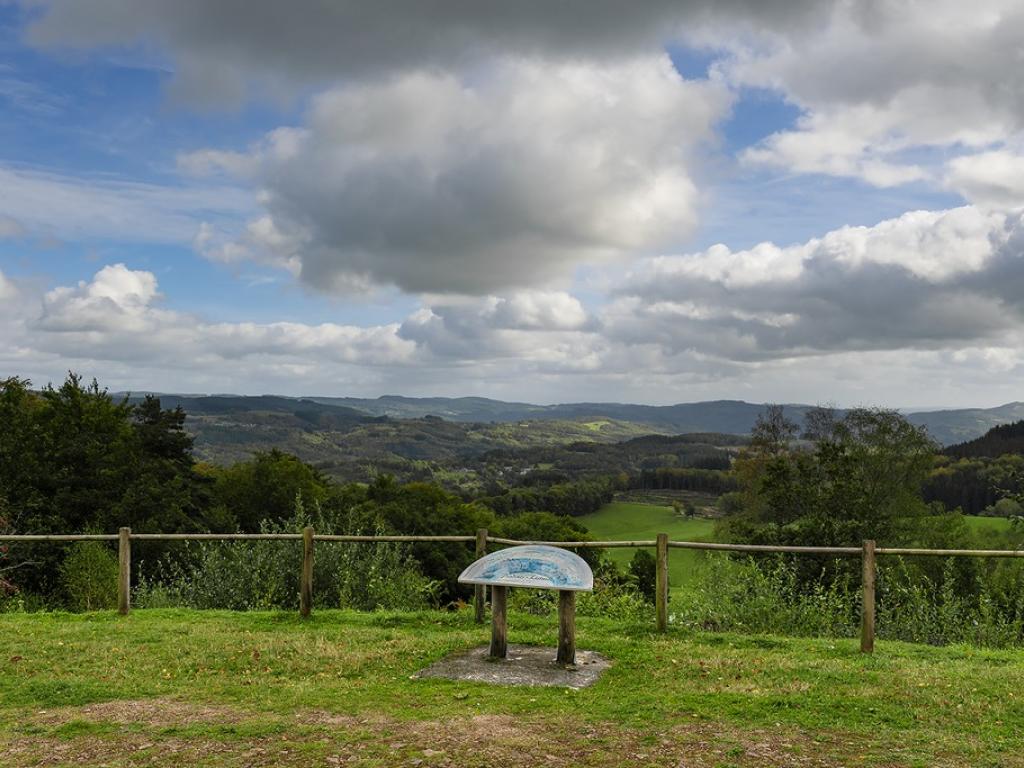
(768, 200)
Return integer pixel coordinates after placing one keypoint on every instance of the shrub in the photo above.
(382, 576)
(89, 576)
(615, 603)
(1004, 508)
(264, 575)
(919, 609)
(643, 569)
(764, 597)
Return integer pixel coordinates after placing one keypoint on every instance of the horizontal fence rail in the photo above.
(589, 544)
(777, 548)
(215, 536)
(341, 537)
(60, 537)
(951, 552)
(868, 554)
(573, 544)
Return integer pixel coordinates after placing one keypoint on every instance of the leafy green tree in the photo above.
(265, 488)
(74, 459)
(86, 443)
(21, 453)
(819, 423)
(861, 481)
(773, 431)
(164, 492)
(425, 509)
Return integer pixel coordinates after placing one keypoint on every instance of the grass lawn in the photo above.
(174, 688)
(979, 524)
(627, 520)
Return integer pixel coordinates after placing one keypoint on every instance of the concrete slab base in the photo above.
(525, 665)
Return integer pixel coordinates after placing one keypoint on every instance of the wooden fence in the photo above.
(868, 553)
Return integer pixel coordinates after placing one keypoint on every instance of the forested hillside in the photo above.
(228, 428)
(1005, 438)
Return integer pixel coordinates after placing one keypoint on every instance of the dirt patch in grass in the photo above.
(335, 720)
(505, 740)
(137, 749)
(327, 739)
(150, 712)
(509, 741)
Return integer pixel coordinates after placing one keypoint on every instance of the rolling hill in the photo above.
(735, 417)
(334, 431)
(350, 444)
(968, 423)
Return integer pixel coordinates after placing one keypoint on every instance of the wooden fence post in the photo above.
(306, 583)
(566, 627)
(478, 590)
(867, 610)
(124, 571)
(499, 622)
(661, 582)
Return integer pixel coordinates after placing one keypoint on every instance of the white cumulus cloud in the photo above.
(882, 83)
(117, 316)
(925, 280)
(995, 178)
(435, 183)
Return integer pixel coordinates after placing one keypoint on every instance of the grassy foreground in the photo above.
(258, 689)
(630, 520)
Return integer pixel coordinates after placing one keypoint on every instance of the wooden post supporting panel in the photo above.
(499, 625)
(566, 627)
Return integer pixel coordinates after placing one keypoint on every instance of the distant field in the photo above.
(665, 497)
(631, 520)
(980, 524)
(626, 520)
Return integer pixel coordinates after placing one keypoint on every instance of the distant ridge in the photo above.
(725, 416)
(956, 426)
(735, 417)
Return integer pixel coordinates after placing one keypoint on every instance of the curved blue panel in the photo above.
(535, 566)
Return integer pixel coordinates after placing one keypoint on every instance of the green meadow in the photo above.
(215, 689)
(979, 524)
(628, 520)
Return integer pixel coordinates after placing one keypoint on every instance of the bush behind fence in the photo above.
(731, 591)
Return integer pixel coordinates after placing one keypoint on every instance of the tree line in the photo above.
(863, 476)
(75, 459)
(977, 486)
